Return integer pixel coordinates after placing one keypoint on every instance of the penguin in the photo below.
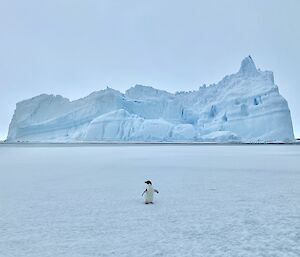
(149, 192)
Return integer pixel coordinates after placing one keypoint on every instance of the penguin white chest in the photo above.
(149, 194)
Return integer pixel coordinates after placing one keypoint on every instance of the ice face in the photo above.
(245, 106)
(248, 67)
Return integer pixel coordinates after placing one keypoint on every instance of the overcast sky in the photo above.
(72, 48)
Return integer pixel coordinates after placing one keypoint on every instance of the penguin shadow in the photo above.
(141, 203)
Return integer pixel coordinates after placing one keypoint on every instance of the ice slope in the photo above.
(245, 106)
(121, 125)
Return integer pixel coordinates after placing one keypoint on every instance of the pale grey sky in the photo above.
(73, 47)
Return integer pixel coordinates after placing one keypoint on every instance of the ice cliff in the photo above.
(245, 106)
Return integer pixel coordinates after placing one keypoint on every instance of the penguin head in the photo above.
(148, 182)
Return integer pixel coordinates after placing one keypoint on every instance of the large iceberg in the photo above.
(242, 107)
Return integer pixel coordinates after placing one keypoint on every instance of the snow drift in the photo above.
(242, 107)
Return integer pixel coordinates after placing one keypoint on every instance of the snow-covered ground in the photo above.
(214, 200)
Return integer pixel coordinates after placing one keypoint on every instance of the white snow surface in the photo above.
(246, 104)
(214, 200)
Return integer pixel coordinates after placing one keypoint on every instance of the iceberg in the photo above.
(243, 107)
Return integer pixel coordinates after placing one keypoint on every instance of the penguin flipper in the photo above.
(144, 192)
